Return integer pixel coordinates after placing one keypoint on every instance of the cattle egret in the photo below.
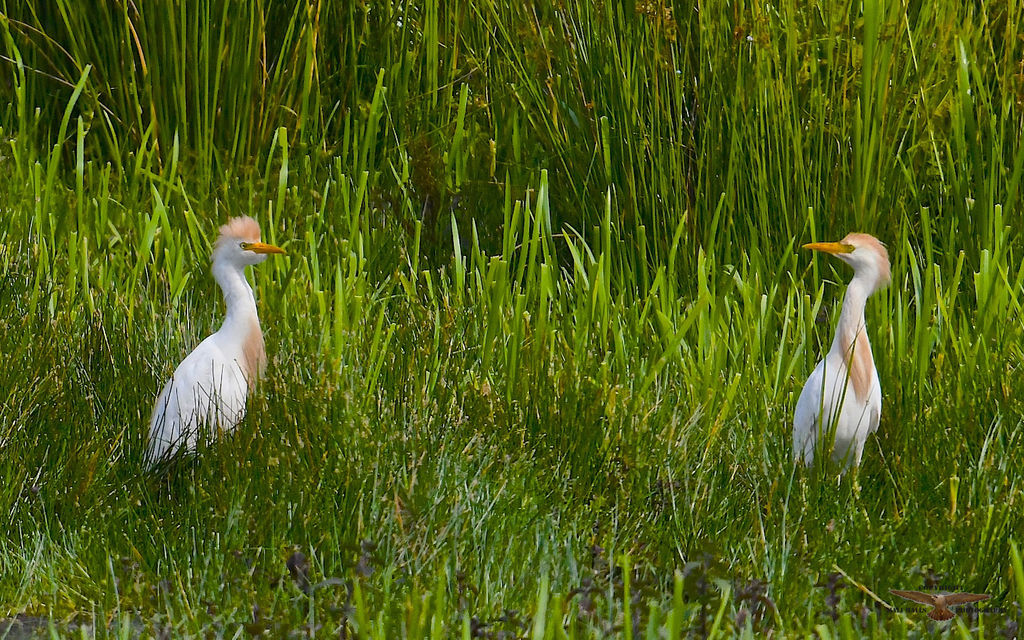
(209, 387)
(843, 395)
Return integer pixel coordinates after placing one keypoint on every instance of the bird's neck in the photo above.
(241, 328)
(238, 296)
(851, 319)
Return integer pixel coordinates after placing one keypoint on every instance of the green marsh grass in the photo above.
(536, 345)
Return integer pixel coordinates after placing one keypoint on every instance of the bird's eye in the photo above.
(243, 245)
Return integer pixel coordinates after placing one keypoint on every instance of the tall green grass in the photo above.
(536, 345)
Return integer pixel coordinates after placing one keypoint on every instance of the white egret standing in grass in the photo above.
(843, 394)
(209, 387)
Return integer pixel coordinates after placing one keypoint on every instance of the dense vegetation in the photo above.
(536, 346)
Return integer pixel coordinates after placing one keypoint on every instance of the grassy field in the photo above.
(536, 346)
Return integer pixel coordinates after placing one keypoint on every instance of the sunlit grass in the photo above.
(535, 347)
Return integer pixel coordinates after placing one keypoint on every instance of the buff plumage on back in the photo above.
(862, 367)
(254, 355)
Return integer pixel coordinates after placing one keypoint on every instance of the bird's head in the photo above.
(864, 253)
(239, 243)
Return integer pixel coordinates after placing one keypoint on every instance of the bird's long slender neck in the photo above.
(241, 326)
(851, 341)
(851, 318)
(238, 296)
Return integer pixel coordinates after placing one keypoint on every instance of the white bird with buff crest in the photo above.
(843, 396)
(209, 388)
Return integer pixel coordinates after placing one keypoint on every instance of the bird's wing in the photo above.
(206, 385)
(214, 383)
(805, 416)
(916, 596)
(964, 598)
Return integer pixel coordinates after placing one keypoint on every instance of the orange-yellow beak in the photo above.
(260, 247)
(830, 247)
